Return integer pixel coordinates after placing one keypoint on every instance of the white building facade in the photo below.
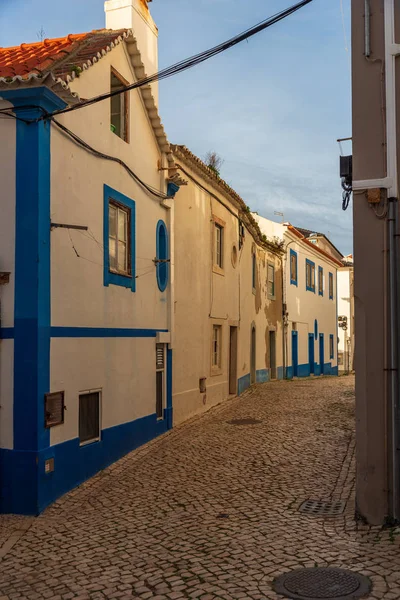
(86, 316)
(346, 339)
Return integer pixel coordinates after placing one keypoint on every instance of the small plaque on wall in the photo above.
(54, 409)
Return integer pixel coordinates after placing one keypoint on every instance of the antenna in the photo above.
(41, 33)
(279, 214)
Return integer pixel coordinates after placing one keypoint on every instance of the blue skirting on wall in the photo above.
(262, 375)
(243, 383)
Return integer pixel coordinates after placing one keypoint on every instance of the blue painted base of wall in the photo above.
(243, 383)
(280, 372)
(27, 489)
(262, 376)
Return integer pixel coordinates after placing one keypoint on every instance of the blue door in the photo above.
(295, 353)
(311, 352)
(321, 353)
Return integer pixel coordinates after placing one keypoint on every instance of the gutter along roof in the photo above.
(194, 162)
(55, 63)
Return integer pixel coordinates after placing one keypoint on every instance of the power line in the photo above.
(187, 63)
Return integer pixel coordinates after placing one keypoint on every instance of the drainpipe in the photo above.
(391, 52)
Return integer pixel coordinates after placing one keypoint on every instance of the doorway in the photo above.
(311, 352)
(272, 354)
(253, 355)
(233, 342)
(295, 353)
(321, 353)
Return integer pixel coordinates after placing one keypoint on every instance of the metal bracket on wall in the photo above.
(369, 184)
(4, 277)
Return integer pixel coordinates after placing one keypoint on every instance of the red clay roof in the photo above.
(61, 56)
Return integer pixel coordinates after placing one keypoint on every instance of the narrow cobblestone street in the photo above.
(210, 510)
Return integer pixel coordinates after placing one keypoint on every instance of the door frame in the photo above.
(295, 353)
(321, 353)
(311, 355)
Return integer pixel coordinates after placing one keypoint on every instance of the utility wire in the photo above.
(187, 63)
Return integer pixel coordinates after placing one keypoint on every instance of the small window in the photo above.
(254, 270)
(89, 417)
(331, 346)
(216, 346)
(119, 239)
(293, 267)
(54, 409)
(271, 281)
(162, 269)
(119, 107)
(160, 380)
(330, 286)
(310, 276)
(320, 281)
(219, 245)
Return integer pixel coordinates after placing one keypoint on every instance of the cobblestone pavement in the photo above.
(210, 509)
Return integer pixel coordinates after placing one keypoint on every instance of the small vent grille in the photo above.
(319, 508)
(54, 409)
(159, 356)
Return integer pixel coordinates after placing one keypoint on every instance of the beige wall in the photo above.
(369, 258)
(205, 295)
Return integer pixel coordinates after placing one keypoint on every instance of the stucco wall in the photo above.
(7, 263)
(345, 309)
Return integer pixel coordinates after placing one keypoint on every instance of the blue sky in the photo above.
(272, 107)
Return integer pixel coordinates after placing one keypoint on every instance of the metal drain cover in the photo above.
(325, 583)
(320, 508)
(244, 422)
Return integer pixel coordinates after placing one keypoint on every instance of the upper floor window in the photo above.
(119, 242)
(162, 269)
(293, 267)
(218, 245)
(271, 281)
(320, 281)
(310, 276)
(253, 270)
(330, 286)
(119, 107)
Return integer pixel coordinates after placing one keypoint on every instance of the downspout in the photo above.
(391, 52)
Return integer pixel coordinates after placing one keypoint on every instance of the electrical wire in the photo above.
(347, 191)
(99, 154)
(187, 63)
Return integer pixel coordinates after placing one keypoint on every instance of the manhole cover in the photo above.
(324, 583)
(320, 508)
(244, 422)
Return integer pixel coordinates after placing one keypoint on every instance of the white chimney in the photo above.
(135, 15)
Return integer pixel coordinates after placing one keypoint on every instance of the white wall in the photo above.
(7, 263)
(344, 309)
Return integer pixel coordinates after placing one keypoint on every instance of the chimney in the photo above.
(135, 15)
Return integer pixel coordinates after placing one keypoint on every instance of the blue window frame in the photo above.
(330, 286)
(320, 281)
(293, 267)
(119, 239)
(162, 269)
(331, 346)
(310, 276)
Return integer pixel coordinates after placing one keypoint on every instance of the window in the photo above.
(89, 417)
(119, 239)
(219, 246)
(293, 267)
(162, 269)
(54, 409)
(119, 107)
(330, 286)
(320, 281)
(160, 376)
(253, 270)
(216, 346)
(331, 346)
(310, 276)
(271, 281)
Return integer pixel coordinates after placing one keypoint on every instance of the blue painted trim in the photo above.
(331, 346)
(321, 352)
(311, 352)
(334, 371)
(320, 274)
(162, 249)
(169, 415)
(331, 280)
(262, 375)
(6, 333)
(303, 370)
(172, 189)
(327, 368)
(243, 383)
(41, 97)
(316, 329)
(28, 490)
(317, 369)
(115, 278)
(312, 287)
(280, 372)
(293, 281)
(289, 372)
(295, 353)
(102, 332)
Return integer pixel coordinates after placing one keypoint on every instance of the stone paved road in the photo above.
(210, 510)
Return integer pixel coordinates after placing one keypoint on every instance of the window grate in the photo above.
(54, 409)
(160, 361)
(89, 417)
